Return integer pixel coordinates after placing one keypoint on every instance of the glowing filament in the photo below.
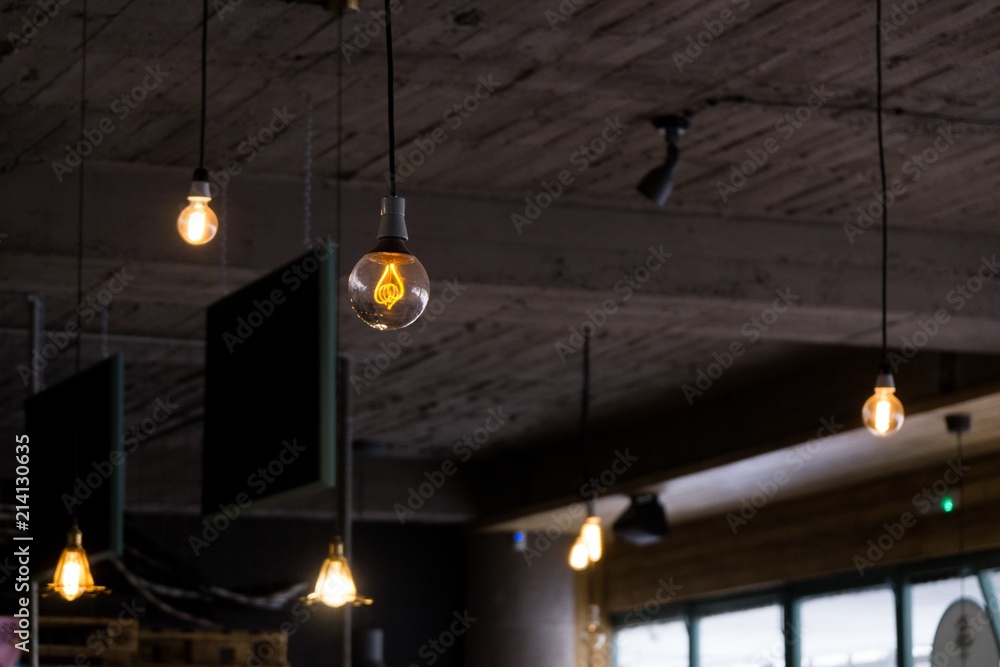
(70, 581)
(196, 221)
(389, 289)
(882, 414)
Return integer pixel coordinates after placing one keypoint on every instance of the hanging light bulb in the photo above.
(593, 632)
(73, 579)
(389, 287)
(198, 223)
(579, 559)
(335, 584)
(591, 536)
(883, 412)
(587, 548)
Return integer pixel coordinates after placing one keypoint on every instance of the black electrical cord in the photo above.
(79, 242)
(392, 102)
(204, 81)
(881, 162)
(585, 407)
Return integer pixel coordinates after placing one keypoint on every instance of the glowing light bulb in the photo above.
(389, 287)
(591, 536)
(335, 584)
(72, 578)
(587, 548)
(198, 223)
(883, 413)
(579, 559)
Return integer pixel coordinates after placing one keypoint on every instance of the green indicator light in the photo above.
(947, 504)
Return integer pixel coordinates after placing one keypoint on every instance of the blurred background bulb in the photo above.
(389, 287)
(593, 632)
(578, 557)
(198, 223)
(591, 536)
(588, 546)
(883, 414)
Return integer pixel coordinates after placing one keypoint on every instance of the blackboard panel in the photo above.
(95, 488)
(270, 407)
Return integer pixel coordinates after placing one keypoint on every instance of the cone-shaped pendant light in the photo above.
(73, 579)
(335, 584)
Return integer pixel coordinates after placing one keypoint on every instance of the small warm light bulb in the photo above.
(72, 578)
(591, 536)
(593, 632)
(579, 559)
(389, 287)
(335, 584)
(198, 223)
(883, 413)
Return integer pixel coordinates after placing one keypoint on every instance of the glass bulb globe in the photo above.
(591, 536)
(197, 223)
(389, 289)
(882, 414)
(335, 584)
(72, 577)
(578, 556)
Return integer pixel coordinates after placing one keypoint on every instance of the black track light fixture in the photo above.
(657, 185)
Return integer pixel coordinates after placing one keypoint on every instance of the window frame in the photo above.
(899, 579)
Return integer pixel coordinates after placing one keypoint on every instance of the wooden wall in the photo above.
(810, 537)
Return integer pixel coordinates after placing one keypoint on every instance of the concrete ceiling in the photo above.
(525, 286)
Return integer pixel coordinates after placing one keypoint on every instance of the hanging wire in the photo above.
(885, 206)
(224, 226)
(585, 414)
(79, 240)
(204, 81)
(105, 325)
(307, 178)
(392, 101)
(964, 623)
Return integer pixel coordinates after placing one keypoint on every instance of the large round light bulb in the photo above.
(883, 413)
(198, 223)
(389, 290)
(389, 287)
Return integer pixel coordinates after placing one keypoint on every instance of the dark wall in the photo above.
(415, 573)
